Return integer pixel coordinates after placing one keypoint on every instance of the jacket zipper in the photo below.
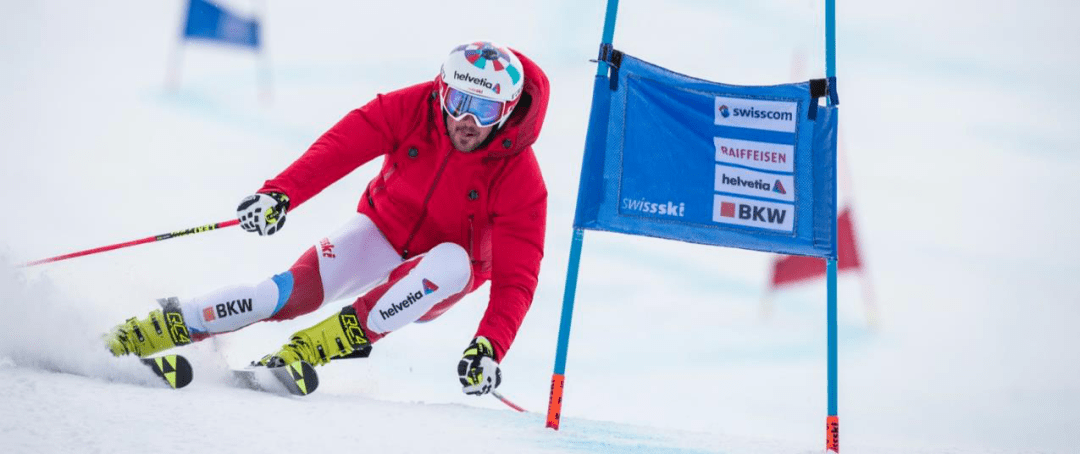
(423, 209)
(472, 248)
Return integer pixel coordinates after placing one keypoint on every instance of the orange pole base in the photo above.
(555, 401)
(832, 434)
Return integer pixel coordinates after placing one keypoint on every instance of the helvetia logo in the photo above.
(497, 89)
(758, 184)
(410, 299)
(483, 82)
(398, 307)
(724, 111)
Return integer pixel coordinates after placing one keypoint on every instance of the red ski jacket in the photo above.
(491, 201)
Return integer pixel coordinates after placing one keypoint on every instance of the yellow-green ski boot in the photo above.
(161, 330)
(339, 336)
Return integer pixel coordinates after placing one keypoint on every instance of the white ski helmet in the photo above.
(483, 70)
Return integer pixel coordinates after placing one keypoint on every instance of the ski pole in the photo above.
(162, 237)
(504, 400)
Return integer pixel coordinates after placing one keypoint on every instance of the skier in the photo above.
(459, 201)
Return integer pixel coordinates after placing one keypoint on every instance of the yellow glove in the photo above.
(478, 371)
(263, 213)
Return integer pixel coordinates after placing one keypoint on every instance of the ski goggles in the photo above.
(458, 104)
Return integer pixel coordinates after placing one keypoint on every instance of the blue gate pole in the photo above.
(832, 422)
(558, 376)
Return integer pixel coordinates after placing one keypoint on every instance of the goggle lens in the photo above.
(458, 104)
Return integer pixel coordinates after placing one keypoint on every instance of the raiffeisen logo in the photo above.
(724, 111)
(483, 82)
(668, 208)
(755, 155)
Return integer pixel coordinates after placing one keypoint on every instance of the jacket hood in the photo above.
(523, 127)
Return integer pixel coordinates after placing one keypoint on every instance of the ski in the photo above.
(297, 379)
(175, 370)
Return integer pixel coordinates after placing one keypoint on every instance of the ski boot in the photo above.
(163, 329)
(337, 337)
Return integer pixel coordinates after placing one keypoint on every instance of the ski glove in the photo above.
(263, 213)
(478, 371)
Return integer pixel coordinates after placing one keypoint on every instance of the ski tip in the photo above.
(297, 378)
(302, 379)
(175, 370)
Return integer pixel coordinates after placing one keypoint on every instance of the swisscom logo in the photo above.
(756, 114)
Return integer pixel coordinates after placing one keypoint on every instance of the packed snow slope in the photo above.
(957, 127)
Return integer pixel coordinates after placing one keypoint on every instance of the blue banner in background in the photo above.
(206, 20)
(697, 161)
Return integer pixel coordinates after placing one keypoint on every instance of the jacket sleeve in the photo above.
(363, 135)
(517, 247)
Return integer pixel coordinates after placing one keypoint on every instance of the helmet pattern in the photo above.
(487, 70)
(481, 53)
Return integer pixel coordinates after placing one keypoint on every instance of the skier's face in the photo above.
(465, 135)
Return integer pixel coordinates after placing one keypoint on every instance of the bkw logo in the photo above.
(223, 310)
(753, 213)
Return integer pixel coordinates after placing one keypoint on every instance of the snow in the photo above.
(956, 128)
